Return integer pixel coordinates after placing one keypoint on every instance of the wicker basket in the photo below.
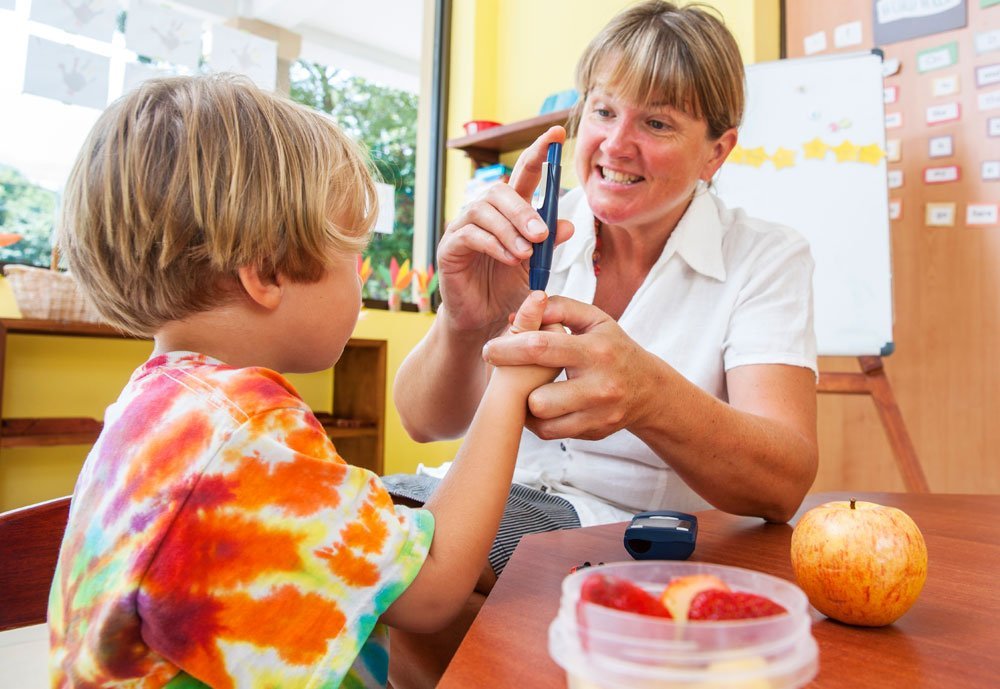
(49, 294)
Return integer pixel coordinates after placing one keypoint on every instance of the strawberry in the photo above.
(716, 604)
(620, 594)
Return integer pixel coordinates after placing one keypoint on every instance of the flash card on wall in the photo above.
(895, 179)
(940, 147)
(814, 43)
(895, 209)
(990, 170)
(993, 126)
(988, 75)
(893, 150)
(940, 215)
(941, 175)
(890, 94)
(945, 112)
(981, 214)
(893, 120)
(945, 86)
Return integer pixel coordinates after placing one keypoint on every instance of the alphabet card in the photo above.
(981, 214)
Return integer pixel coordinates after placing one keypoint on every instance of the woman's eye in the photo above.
(658, 125)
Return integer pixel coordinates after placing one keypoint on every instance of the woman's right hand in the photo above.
(482, 257)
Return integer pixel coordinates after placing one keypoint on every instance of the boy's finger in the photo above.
(529, 316)
(528, 169)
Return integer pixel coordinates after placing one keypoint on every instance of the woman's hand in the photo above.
(481, 257)
(606, 372)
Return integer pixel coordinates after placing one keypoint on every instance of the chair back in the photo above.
(30, 538)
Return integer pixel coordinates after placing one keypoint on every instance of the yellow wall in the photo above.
(50, 376)
(506, 57)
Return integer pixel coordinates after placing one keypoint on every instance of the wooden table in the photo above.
(949, 638)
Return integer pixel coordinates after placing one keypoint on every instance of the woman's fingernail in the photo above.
(536, 227)
(522, 244)
(486, 352)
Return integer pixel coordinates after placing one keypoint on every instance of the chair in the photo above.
(29, 547)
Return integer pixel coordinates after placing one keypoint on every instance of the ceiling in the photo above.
(376, 39)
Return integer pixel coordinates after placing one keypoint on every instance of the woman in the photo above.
(690, 357)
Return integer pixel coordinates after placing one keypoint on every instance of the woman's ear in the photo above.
(721, 148)
(264, 291)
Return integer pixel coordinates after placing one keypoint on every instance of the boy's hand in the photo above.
(527, 320)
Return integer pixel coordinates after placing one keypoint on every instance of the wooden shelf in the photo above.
(486, 146)
(356, 420)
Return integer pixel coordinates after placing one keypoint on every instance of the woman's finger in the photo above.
(543, 347)
(528, 169)
(472, 239)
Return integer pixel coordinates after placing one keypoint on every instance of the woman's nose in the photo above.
(618, 140)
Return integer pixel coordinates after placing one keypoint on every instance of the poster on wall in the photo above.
(244, 53)
(163, 34)
(93, 18)
(901, 20)
(66, 73)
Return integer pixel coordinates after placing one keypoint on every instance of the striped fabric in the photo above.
(527, 511)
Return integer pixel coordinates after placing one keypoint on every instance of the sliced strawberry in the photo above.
(715, 604)
(620, 594)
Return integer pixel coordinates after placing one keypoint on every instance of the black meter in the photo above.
(661, 535)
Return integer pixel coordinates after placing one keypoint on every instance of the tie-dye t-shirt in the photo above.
(216, 538)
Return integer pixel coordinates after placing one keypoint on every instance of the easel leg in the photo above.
(892, 419)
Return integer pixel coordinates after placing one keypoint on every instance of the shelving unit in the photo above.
(356, 420)
(486, 146)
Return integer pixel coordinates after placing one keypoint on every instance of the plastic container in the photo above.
(603, 648)
(476, 126)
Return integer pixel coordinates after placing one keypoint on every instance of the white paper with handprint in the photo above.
(66, 74)
(91, 18)
(244, 53)
(138, 72)
(163, 34)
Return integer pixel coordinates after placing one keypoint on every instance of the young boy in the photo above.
(216, 538)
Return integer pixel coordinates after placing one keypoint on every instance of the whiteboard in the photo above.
(811, 155)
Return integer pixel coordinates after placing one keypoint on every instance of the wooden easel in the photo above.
(873, 381)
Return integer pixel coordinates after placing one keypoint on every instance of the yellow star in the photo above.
(871, 154)
(846, 152)
(755, 156)
(815, 149)
(737, 156)
(783, 158)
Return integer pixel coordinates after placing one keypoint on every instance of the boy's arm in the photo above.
(469, 503)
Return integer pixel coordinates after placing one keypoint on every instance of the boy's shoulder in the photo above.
(245, 391)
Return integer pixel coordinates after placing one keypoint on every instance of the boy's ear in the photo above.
(265, 291)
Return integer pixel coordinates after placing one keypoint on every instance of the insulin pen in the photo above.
(541, 258)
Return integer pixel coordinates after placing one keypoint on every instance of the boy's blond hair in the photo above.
(186, 180)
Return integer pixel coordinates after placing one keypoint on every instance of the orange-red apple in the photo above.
(859, 562)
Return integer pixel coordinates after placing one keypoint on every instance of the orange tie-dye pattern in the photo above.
(354, 569)
(216, 533)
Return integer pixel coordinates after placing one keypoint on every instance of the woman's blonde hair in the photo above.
(186, 180)
(659, 53)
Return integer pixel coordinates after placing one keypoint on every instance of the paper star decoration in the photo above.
(871, 154)
(815, 149)
(783, 157)
(846, 152)
(737, 156)
(755, 156)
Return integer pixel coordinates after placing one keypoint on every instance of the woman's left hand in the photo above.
(606, 372)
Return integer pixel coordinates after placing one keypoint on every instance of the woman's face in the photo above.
(639, 165)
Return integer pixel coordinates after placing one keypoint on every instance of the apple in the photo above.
(859, 562)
